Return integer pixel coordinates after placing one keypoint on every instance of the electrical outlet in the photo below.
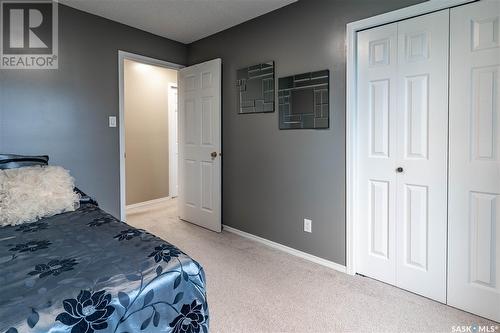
(307, 225)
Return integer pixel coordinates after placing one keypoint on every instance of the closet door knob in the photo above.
(399, 169)
(213, 154)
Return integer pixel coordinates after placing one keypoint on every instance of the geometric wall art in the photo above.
(256, 88)
(303, 101)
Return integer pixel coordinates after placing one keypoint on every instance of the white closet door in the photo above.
(403, 120)
(422, 150)
(474, 188)
(377, 76)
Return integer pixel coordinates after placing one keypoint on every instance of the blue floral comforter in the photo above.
(85, 272)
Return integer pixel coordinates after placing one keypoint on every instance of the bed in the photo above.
(84, 271)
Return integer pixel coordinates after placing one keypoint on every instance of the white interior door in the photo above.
(377, 77)
(402, 153)
(173, 140)
(200, 144)
(474, 196)
(422, 153)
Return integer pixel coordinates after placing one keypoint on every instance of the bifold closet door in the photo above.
(402, 153)
(377, 107)
(474, 188)
(422, 152)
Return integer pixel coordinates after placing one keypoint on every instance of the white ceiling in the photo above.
(182, 20)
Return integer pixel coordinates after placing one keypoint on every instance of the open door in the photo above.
(200, 144)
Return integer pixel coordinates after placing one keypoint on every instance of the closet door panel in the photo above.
(377, 63)
(474, 183)
(422, 122)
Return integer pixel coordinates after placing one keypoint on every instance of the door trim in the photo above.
(171, 142)
(351, 108)
(122, 55)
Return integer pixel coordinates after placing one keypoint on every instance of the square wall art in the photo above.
(303, 101)
(256, 88)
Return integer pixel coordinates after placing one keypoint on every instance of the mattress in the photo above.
(85, 271)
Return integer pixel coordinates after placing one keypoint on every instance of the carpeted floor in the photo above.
(254, 288)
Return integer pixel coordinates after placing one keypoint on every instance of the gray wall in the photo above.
(63, 113)
(271, 179)
(274, 179)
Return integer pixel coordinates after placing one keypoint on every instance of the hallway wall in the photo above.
(146, 130)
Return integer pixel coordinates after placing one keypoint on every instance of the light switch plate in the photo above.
(307, 225)
(112, 121)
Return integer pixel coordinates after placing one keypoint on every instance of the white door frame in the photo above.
(122, 55)
(172, 140)
(351, 107)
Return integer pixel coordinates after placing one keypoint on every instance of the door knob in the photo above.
(213, 154)
(399, 169)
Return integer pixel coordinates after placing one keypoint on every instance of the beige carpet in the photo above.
(254, 288)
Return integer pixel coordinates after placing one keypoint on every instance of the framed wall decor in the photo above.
(303, 101)
(256, 88)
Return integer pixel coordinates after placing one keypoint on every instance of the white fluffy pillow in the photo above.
(30, 193)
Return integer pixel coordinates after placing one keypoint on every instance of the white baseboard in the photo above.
(289, 250)
(147, 203)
